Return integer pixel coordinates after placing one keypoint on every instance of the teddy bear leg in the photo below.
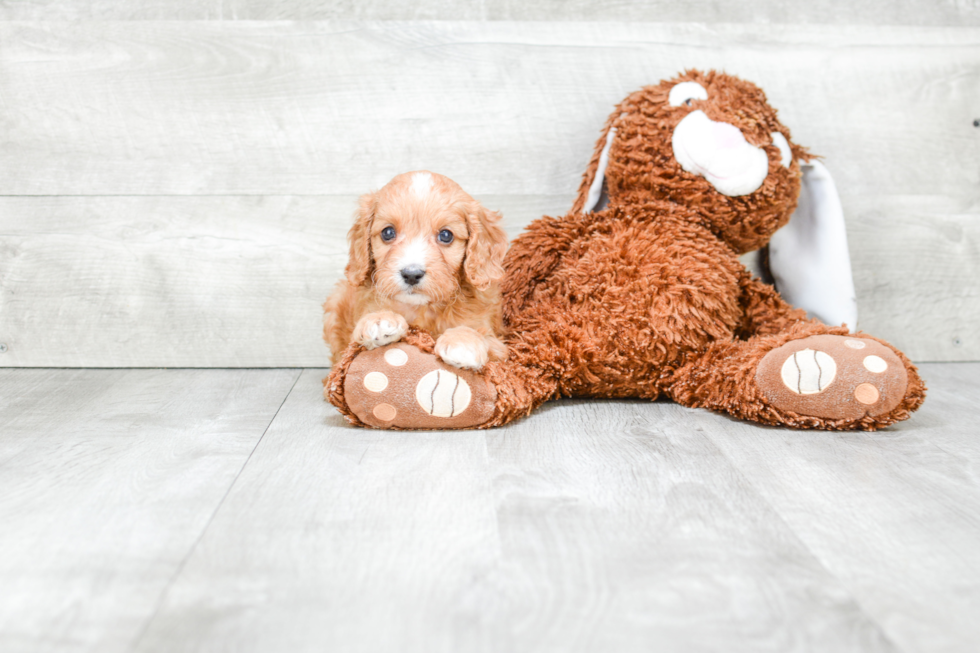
(812, 377)
(404, 385)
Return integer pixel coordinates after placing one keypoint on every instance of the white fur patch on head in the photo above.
(685, 91)
(719, 152)
(422, 183)
(786, 154)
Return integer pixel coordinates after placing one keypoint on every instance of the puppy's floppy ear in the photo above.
(360, 263)
(808, 257)
(485, 248)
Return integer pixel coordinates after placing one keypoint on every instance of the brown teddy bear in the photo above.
(639, 291)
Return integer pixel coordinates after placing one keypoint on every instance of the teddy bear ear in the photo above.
(596, 199)
(808, 257)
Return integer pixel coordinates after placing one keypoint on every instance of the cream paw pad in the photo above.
(836, 377)
(399, 386)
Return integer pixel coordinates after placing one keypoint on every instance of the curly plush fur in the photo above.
(647, 296)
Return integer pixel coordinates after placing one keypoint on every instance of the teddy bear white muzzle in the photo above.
(719, 152)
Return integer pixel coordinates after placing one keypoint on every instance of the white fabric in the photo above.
(808, 372)
(396, 357)
(875, 364)
(786, 154)
(808, 257)
(595, 190)
(685, 91)
(443, 394)
(719, 152)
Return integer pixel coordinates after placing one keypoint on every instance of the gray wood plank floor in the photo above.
(107, 479)
(184, 510)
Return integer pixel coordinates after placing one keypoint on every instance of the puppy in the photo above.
(422, 253)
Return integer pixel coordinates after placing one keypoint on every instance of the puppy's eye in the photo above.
(388, 234)
(446, 236)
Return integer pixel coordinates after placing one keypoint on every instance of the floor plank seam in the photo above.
(207, 525)
(823, 565)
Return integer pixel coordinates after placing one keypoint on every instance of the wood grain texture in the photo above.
(622, 524)
(238, 281)
(916, 264)
(107, 479)
(179, 281)
(591, 526)
(337, 539)
(104, 123)
(869, 12)
(894, 515)
(503, 108)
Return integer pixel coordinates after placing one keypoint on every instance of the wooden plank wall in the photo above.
(176, 178)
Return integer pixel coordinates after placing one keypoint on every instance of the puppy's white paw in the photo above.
(463, 356)
(379, 329)
(463, 347)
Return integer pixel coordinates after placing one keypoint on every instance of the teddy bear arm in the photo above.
(764, 312)
(533, 257)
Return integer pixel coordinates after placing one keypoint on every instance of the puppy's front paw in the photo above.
(379, 329)
(463, 347)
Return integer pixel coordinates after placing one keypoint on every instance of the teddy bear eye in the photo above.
(388, 234)
(446, 236)
(685, 92)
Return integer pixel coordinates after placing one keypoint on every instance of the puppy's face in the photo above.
(422, 237)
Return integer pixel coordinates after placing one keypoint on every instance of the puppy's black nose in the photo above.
(413, 275)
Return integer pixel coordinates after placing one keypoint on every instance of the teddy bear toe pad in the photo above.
(400, 386)
(833, 377)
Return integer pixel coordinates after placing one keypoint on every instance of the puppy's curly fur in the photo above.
(422, 253)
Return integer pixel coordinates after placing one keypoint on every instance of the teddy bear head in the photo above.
(704, 140)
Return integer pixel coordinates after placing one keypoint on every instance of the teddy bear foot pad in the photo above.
(399, 386)
(833, 377)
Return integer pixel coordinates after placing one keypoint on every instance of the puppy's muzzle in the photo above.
(413, 274)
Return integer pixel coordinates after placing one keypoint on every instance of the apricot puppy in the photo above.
(426, 254)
